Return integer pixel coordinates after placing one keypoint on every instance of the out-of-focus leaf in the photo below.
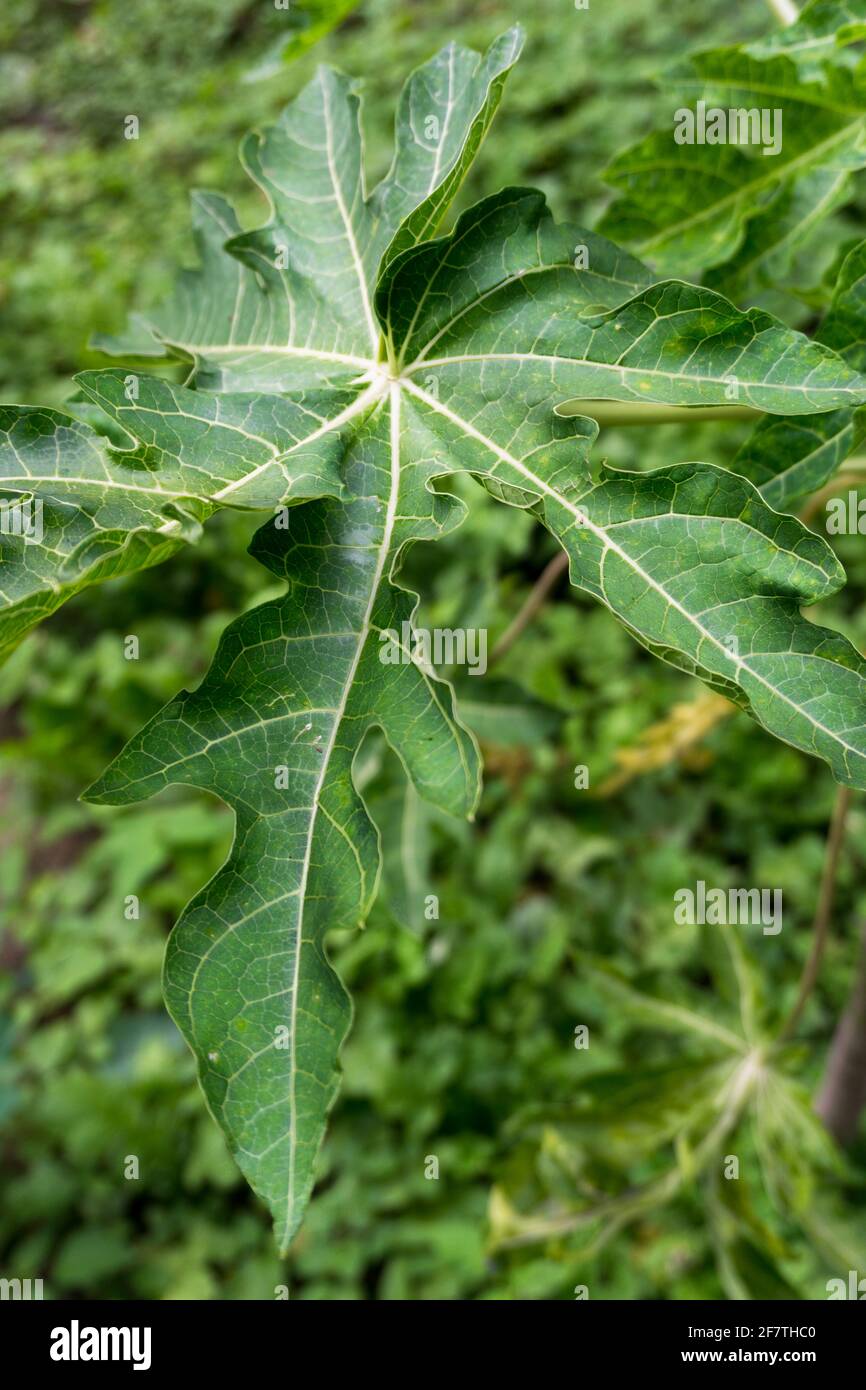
(499, 711)
(307, 21)
(690, 207)
(787, 459)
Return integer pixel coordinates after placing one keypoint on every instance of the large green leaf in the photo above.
(273, 729)
(340, 366)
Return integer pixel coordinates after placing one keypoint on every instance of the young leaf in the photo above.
(646, 1008)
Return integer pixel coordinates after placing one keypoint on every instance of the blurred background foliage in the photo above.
(463, 1046)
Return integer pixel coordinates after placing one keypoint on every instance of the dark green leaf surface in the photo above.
(107, 511)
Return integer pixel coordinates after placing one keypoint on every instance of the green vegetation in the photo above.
(557, 1166)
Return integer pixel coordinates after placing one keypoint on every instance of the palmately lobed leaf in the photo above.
(340, 365)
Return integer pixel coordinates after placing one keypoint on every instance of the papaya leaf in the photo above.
(697, 206)
(708, 1106)
(339, 366)
(307, 21)
(289, 310)
(788, 459)
(688, 557)
(822, 32)
(671, 1017)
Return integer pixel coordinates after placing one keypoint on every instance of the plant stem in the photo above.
(850, 477)
(842, 1095)
(821, 924)
(644, 413)
(539, 592)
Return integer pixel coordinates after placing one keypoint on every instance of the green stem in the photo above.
(644, 413)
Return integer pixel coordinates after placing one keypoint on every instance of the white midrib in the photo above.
(347, 359)
(373, 392)
(737, 662)
(366, 398)
(350, 231)
(364, 631)
(614, 368)
(500, 285)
